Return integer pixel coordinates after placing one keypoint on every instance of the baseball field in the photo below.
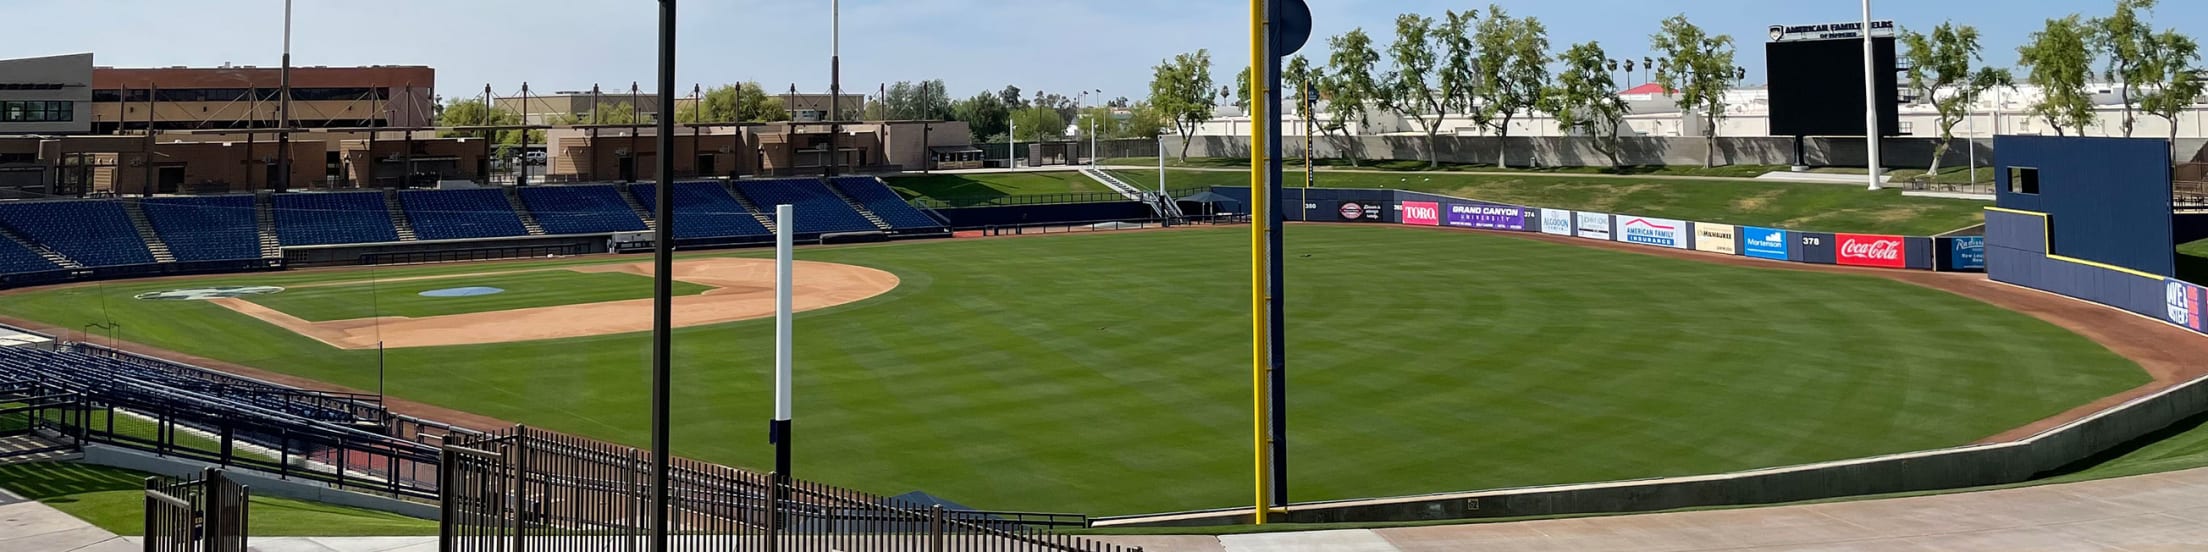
(1108, 373)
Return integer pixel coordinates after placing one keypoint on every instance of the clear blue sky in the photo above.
(1052, 45)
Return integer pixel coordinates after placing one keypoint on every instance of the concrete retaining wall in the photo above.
(259, 483)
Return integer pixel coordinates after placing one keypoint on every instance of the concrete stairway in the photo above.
(860, 207)
(641, 212)
(137, 214)
(264, 216)
(398, 216)
(528, 221)
(765, 217)
(51, 256)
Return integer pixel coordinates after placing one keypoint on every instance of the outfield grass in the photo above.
(1817, 207)
(1413, 165)
(1108, 373)
(535, 288)
(115, 499)
(970, 190)
(2192, 262)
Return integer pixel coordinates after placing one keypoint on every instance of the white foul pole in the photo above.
(785, 227)
(1870, 98)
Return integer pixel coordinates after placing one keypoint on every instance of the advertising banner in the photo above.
(1966, 253)
(1766, 243)
(1813, 247)
(1556, 221)
(1592, 225)
(1487, 215)
(2184, 302)
(1359, 211)
(1652, 231)
(1718, 238)
(1870, 250)
(1422, 213)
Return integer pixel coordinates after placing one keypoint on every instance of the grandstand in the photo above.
(17, 258)
(92, 233)
(704, 210)
(211, 228)
(461, 214)
(594, 209)
(333, 218)
(818, 210)
(874, 195)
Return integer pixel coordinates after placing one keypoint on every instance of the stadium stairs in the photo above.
(641, 212)
(154, 244)
(51, 256)
(764, 217)
(398, 215)
(265, 217)
(855, 205)
(521, 210)
(1164, 207)
(31, 447)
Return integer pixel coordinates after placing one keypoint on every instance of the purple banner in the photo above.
(1487, 215)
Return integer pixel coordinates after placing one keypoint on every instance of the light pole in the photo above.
(1870, 99)
(663, 290)
(835, 84)
(283, 111)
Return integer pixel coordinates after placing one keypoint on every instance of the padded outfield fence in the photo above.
(530, 489)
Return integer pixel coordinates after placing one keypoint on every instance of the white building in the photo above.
(46, 95)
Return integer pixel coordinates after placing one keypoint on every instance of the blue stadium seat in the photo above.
(580, 209)
(330, 218)
(213, 228)
(704, 210)
(91, 232)
(818, 210)
(17, 259)
(885, 203)
(461, 214)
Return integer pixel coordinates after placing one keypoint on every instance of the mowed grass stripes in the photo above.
(1109, 373)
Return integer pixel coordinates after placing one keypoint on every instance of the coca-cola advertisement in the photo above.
(1869, 250)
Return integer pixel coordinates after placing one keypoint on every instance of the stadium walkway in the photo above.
(2166, 511)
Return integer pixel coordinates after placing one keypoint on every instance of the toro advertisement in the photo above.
(1869, 250)
(1422, 213)
(1487, 215)
(1593, 225)
(2184, 302)
(1765, 243)
(1716, 238)
(1652, 231)
(1556, 221)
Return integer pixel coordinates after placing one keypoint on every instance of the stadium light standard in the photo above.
(1870, 100)
(283, 112)
(663, 290)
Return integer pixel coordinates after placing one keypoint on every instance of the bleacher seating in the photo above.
(461, 214)
(212, 228)
(93, 233)
(333, 218)
(818, 210)
(885, 203)
(17, 259)
(580, 209)
(703, 210)
(95, 373)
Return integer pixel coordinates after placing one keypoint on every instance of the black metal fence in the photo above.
(206, 514)
(1922, 183)
(529, 489)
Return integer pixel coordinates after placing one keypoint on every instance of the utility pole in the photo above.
(835, 85)
(283, 111)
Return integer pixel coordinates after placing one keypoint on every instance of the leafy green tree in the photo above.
(1349, 86)
(615, 113)
(1699, 70)
(1037, 124)
(910, 101)
(1585, 98)
(985, 114)
(1942, 62)
(472, 112)
(1461, 70)
(1243, 90)
(1180, 88)
(2172, 63)
(2126, 39)
(2061, 65)
(1410, 89)
(1514, 71)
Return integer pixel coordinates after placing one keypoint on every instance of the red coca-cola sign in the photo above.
(1870, 250)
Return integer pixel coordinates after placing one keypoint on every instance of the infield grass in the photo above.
(1109, 374)
(115, 499)
(531, 288)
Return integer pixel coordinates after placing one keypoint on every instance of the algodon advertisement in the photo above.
(1556, 221)
(1715, 238)
(1870, 250)
(1487, 215)
(2185, 305)
(1422, 213)
(1765, 243)
(1652, 231)
(1593, 225)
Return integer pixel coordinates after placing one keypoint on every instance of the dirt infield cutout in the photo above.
(743, 289)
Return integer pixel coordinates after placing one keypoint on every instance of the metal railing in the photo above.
(530, 489)
(2190, 196)
(206, 514)
(1925, 183)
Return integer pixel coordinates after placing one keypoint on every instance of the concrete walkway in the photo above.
(2167, 511)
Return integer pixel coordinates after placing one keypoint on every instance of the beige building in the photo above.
(46, 95)
(240, 97)
(807, 108)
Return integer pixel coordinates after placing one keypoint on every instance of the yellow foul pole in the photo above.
(1261, 208)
